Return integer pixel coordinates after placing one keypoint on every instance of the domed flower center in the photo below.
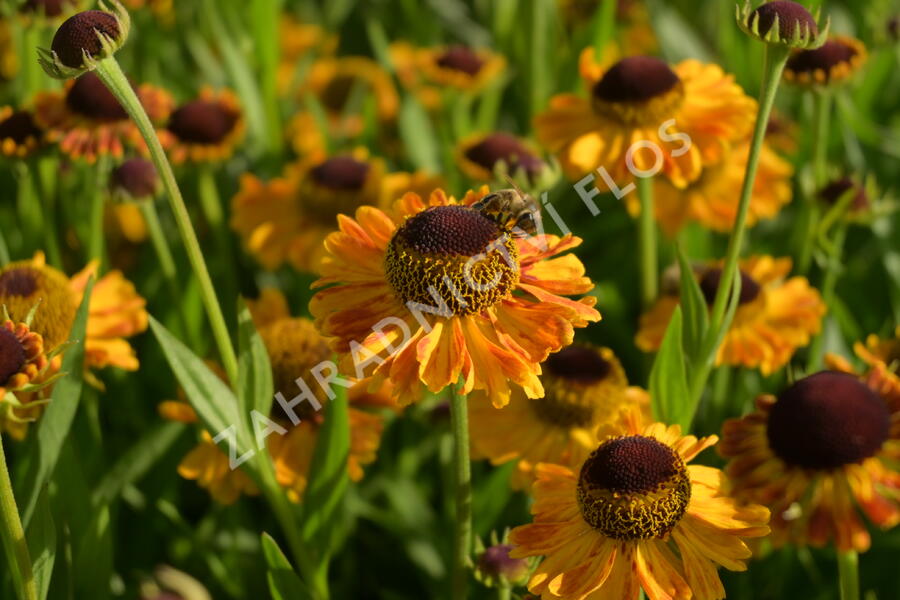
(791, 17)
(89, 97)
(18, 127)
(461, 58)
(50, 8)
(829, 55)
(23, 285)
(78, 34)
(827, 420)
(835, 190)
(633, 487)
(452, 259)
(137, 176)
(202, 122)
(638, 90)
(341, 173)
(12, 355)
(709, 285)
(499, 147)
(294, 348)
(580, 386)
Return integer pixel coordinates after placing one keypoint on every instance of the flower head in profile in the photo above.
(87, 121)
(204, 130)
(776, 315)
(644, 99)
(20, 136)
(22, 357)
(84, 39)
(782, 23)
(820, 452)
(585, 388)
(451, 296)
(286, 219)
(712, 199)
(636, 515)
(831, 64)
(494, 156)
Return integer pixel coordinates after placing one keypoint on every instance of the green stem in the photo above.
(46, 189)
(4, 250)
(504, 592)
(211, 204)
(647, 241)
(14, 537)
(775, 59)
(604, 26)
(98, 203)
(109, 71)
(829, 284)
(462, 547)
(821, 126)
(848, 574)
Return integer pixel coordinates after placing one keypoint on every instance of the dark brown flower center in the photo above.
(337, 92)
(12, 355)
(202, 122)
(20, 282)
(78, 34)
(18, 127)
(827, 420)
(835, 190)
(636, 79)
(633, 487)
(829, 55)
(137, 176)
(88, 96)
(499, 147)
(791, 16)
(341, 173)
(461, 58)
(578, 364)
(711, 279)
(50, 8)
(454, 255)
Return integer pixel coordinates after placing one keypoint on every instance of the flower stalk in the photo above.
(821, 127)
(111, 74)
(848, 574)
(462, 545)
(16, 547)
(648, 243)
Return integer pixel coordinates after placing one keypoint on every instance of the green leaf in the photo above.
(328, 474)
(284, 583)
(693, 305)
(254, 369)
(41, 536)
(418, 135)
(54, 425)
(214, 402)
(668, 378)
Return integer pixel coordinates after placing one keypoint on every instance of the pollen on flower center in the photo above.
(638, 90)
(12, 355)
(827, 420)
(461, 58)
(633, 487)
(507, 148)
(341, 173)
(18, 127)
(88, 96)
(709, 285)
(202, 122)
(22, 286)
(452, 255)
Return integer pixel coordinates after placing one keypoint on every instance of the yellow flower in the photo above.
(480, 156)
(631, 102)
(20, 137)
(825, 447)
(294, 347)
(204, 130)
(115, 312)
(774, 318)
(831, 64)
(584, 389)
(428, 72)
(712, 200)
(87, 121)
(494, 305)
(297, 41)
(342, 86)
(636, 515)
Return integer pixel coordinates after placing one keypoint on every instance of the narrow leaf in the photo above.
(693, 305)
(284, 583)
(41, 536)
(254, 368)
(418, 135)
(668, 379)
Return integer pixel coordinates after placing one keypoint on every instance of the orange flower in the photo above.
(775, 316)
(496, 304)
